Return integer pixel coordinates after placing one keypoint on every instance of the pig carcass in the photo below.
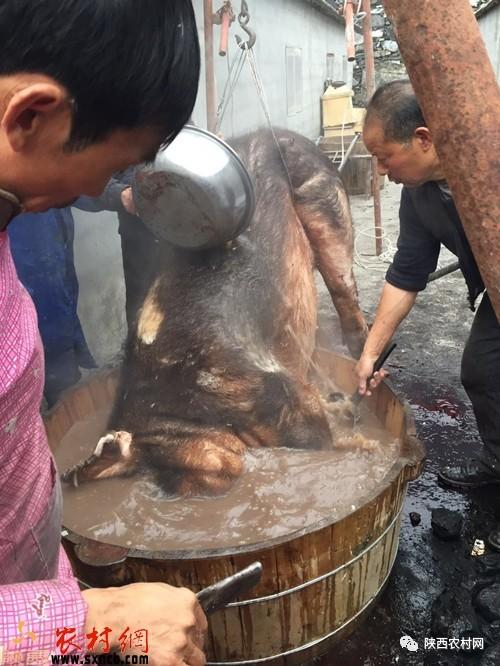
(218, 359)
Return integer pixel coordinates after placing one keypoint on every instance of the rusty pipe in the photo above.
(208, 14)
(349, 10)
(370, 89)
(454, 81)
(368, 47)
(226, 16)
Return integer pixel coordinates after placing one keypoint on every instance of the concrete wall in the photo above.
(101, 303)
(279, 24)
(490, 28)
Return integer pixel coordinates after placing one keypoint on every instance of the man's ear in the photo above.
(424, 138)
(29, 110)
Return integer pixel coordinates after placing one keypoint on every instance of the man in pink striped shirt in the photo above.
(87, 88)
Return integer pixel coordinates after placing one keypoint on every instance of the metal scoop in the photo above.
(197, 194)
(219, 595)
(356, 397)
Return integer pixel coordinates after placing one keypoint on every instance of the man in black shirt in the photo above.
(395, 132)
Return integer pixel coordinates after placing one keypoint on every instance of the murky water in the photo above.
(280, 492)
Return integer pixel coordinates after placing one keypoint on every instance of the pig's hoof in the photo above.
(113, 456)
(71, 474)
(355, 338)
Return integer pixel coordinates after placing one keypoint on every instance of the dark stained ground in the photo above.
(425, 371)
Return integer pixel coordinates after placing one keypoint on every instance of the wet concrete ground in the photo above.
(425, 371)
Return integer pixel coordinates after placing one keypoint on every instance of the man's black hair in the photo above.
(126, 63)
(395, 105)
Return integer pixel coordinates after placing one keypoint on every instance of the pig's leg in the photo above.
(205, 462)
(332, 249)
(114, 455)
(286, 412)
(202, 462)
(322, 205)
(266, 407)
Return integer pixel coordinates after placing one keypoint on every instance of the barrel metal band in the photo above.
(302, 586)
(312, 644)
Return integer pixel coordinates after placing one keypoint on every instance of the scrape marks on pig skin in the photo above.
(150, 318)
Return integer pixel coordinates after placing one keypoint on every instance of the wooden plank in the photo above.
(263, 629)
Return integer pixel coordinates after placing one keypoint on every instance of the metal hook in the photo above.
(244, 18)
(244, 11)
(252, 38)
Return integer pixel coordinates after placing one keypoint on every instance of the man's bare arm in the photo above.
(393, 307)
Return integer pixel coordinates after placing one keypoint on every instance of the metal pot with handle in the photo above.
(197, 194)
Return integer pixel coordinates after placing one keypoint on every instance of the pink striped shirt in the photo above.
(30, 612)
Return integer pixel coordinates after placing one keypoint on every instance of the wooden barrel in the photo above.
(317, 584)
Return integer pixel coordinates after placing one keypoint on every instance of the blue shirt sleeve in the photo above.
(110, 199)
(418, 250)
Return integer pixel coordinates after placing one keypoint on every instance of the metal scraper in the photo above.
(219, 595)
(357, 397)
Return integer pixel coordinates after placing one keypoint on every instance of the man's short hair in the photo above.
(126, 63)
(395, 105)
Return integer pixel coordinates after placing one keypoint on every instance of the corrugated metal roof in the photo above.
(332, 8)
(329, 7)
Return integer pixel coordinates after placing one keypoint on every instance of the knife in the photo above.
(219, 595)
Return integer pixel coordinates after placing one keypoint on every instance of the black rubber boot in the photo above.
(471, 474)
(494, 538)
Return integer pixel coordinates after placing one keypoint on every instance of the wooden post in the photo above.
(370, 89)
(209, 63)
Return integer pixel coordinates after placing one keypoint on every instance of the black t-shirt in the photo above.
(428, 217)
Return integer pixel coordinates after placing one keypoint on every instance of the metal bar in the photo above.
(370, 89)
(368, 47)
(349, 30)
(318, 641)
(208, 13)
(454, 81)
(319, 579)
(451, 268)
(224, 30)
(377, 207)
(348, 152)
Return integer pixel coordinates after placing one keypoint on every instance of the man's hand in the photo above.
(393, 307)
(128, 201)
(174, 620)
(364, 370)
